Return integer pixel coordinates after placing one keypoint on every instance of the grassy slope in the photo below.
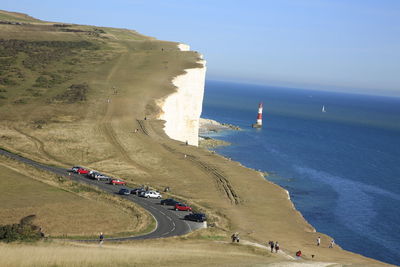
(163, 253)
(63, 208)
(16, 17)
(133, 71)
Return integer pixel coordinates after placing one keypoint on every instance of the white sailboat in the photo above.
(323, 109)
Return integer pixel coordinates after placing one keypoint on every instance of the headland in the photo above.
(112, 103)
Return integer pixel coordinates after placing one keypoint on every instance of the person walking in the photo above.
(318, 241)
(276, 247)
(332, 243)
(101, 239)
(233, 237)
(272, 246)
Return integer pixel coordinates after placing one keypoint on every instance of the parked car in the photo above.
(169, 202)
(76, 168)
(92, 174)
(124, 191)
(197, 217)
(151, 194)
(183, 207)
(100, 176)
(82, 171)
(117, 181)
(137, 191)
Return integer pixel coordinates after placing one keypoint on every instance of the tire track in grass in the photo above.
(105, 126)
(222, 181)
(39, 144)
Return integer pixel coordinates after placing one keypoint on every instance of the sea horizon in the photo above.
(328, 161)
(316, 88)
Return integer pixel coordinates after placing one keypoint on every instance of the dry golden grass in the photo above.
(155, 253)
(61, 212)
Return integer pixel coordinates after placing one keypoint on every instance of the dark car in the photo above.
(169, 202)
(124, 191)
(137, 191)
(197, 217)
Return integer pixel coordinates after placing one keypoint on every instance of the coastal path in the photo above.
(168, 221)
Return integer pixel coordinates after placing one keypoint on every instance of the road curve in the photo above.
(169, 222)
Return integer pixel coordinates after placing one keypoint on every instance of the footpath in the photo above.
(291, 261)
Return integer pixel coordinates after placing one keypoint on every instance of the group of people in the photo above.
(235, 237)
(273, 246)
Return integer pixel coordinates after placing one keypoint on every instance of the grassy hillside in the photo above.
(6, 16)
(64, 208)
(73, 94)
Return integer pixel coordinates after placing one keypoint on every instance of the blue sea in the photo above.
(341, 167)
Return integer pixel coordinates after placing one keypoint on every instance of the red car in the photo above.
(117, 181)
(181, 206)
(82, 171)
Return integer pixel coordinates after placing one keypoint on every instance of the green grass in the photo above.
(16, 17)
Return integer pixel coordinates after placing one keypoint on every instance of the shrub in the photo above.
(75, 93)
(7, 81)
(25, 230)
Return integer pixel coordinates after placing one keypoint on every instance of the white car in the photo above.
(152, 194)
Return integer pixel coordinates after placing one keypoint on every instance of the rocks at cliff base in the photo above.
(208, 125)
(210, 143)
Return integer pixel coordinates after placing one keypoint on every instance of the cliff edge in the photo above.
(181, 110)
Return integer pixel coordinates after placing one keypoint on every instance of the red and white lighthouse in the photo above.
(259, 117)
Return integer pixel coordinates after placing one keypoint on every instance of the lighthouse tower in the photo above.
(259, 117)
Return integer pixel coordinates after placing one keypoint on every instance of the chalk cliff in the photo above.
(182, 109)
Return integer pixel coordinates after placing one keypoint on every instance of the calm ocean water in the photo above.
(341, 167)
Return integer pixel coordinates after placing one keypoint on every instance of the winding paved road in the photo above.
(169, 222)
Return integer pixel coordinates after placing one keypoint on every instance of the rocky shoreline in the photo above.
(208, 125)
(211, 126)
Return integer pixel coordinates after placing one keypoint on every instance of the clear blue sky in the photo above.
(319, 44)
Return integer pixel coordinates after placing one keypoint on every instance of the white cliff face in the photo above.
(183, 47)
(182, 109)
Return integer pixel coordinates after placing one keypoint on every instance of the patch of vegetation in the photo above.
(95, 32)
(39, 53)
(48, 80)
(75, 93)
(11, 22)
(25, 230)
(62, 25)
(78, 187)
(21, 101)
(7, 81)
